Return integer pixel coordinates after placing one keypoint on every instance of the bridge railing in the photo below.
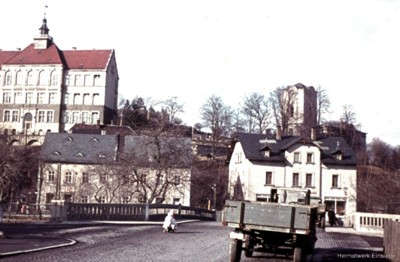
(371, 222)
(62, 211)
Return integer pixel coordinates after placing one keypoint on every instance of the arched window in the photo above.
(8, 78)
(53, 78)
(31, 78)
(43, 78)
(20, 78)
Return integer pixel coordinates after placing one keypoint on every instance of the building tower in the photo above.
(303, 111)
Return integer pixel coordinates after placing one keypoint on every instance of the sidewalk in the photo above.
(18, 243)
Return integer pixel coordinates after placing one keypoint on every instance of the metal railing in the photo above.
(125, 212)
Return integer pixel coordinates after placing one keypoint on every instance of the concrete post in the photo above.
(146, 215)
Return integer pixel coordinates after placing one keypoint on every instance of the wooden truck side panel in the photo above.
(268, 216)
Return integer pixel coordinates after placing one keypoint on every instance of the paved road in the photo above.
(199, 241)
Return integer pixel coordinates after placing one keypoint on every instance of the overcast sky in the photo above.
(194, 49)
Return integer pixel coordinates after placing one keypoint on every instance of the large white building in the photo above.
(292, 165)
(43, 88)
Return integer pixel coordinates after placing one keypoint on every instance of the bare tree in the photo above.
(217, 116)
(323, 105)
(282, 101)
(258, 111)
(238, 121)
(348, 115)
(18, 170)
(172, 107)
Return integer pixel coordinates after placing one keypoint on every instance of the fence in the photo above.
(125, 212)
(371, 222)
(391, 239)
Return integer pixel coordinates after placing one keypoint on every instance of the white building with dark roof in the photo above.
(111, 168)
(43, 88)
(291, 165)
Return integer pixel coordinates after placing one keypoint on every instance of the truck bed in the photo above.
(263, 216)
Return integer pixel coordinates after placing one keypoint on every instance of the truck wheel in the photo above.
(248, 246)
(297, 254)
(235, 250)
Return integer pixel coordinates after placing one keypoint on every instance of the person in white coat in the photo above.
(169, 224)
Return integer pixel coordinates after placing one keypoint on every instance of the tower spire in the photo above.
(43, 40)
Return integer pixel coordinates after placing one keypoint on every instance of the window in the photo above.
(50, 117)
(96, 99)
(177, 180)
(41, 116)
(77, 99)
(267, 153)
(41, 98)
(125, 199)
(42, 78)
(52, 98)
(103, 178)
(29, 98)
(15, 116)
(125, 179)
(68, 177)
(339, 156)
(310, 158)
(335, 181)
(8, 78)
(75, 117)
(18, 98)
(66, 99)
(291, 111)
(7, 98)
(297, 157)
(67, 79)
(85, 117)
(268, 178)
(51, 176)
(296, 179)
(102, 199)
(84, 199)
(7, 116)
(95, 117)
(20, 78)
(78, 80)
(86, 99)
(88, 80)
(309, 180)
(31, 79)
(85, 177)
(54, 78)
(66, 117)
(143, 178)
(96, 80)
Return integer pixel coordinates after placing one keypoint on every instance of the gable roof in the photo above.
(71, 59)
(254, 144)
(79, 148)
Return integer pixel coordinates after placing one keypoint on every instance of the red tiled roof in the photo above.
(87, 59)
(32, 56)
(7, 55)
(72, 59)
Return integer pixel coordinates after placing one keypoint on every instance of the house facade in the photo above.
(292, 165)
(110, 168)
(45, 89)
